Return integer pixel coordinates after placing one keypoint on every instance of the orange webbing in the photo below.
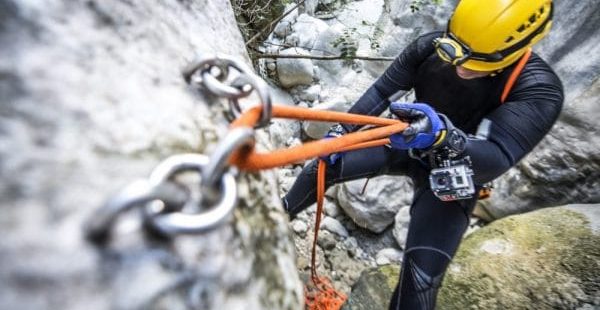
(250, 160)
(515, 74)
(321, 295)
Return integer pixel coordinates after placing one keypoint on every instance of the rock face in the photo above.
(93, 98)
(546, 259)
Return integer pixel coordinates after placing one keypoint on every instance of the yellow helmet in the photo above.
(490, 35)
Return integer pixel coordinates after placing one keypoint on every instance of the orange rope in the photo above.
(320, 198)
(320, 295)
(250, 160)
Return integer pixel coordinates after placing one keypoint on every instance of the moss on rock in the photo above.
(548, 258)
(373, 289)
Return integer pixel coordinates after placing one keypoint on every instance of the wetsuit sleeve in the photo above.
(400, 75)
(518, 125)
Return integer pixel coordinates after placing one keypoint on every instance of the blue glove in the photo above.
(334, 132)
(425, 125)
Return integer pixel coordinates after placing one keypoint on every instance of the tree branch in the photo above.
(275, 56)
(270, 25)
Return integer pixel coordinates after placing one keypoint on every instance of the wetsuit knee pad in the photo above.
(421, 276)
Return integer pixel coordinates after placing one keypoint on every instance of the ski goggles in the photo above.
(453, 51)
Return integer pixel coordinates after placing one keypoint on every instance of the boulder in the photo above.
(92, 99)
(376, 208)
(546, 259)
(324, 46)
(317, 130)
(373, 289)
(401, 222)
(306, 29)
(294, 71)
(334, 226)
(388, 255)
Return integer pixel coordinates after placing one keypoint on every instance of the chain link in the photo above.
(213, 171)
(140, 192)
(165, 202)
(168, 223)
(213, 74)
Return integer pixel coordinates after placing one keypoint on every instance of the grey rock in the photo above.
(334, 226)
(310, 6)
(387, 256)
(92, 99)
(376, 207)
(345, 270)
(327, 2)
(317, 130)
(373, 288)
(283, 132)
(401, 222)
(271, 66)
(350, 244)
(310, 94)
(332, 209)
(557, 269)
(283, 29)
(324, 46)
(326, 240)
(307, 29)
(293, 72)
(299, 227)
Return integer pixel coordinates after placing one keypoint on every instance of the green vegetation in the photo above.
(253, 15)
(347, 44)
(416, 5)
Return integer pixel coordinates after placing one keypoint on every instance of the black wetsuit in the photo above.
(436, 227)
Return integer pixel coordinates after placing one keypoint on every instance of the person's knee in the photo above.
(426, 265)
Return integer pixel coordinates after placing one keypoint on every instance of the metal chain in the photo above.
(164, 201)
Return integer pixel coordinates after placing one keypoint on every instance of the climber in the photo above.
(461, 118)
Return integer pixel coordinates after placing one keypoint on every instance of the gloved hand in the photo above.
(335, 131)
(425, 125)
